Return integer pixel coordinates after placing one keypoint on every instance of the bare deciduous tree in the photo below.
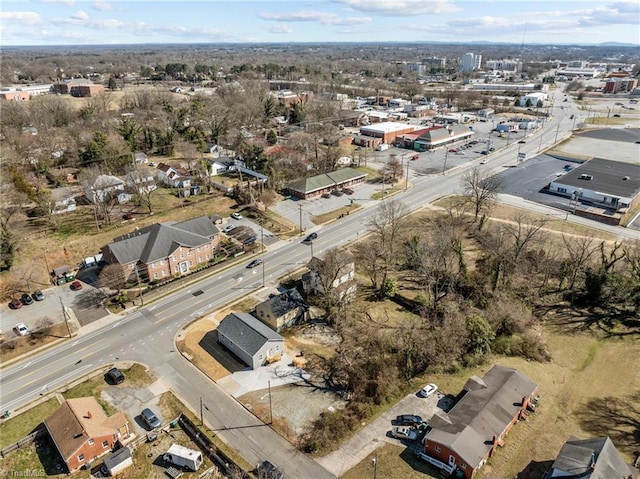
(480, 190)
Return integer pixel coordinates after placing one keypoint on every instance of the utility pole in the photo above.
(444, 167)
(406, 182)
(300, 208)
(261, 238)
(557, 131)
(270, 405)
(65, 314)
(263, 274)
(375, 465)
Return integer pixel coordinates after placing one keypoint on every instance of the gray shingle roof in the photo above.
(577, 455)
(160, 240)
(281, 304)
(483, 412)
(247, 332)
(608, 177)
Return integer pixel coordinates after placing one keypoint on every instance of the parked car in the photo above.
(254, 263)
(114, 376)
(453, 150)
(326, 195)
(616, 115)
(228, 228)
(37, 295)
(428, 390)
(310, 237)
(408, 420)
(26, 299)
(21, 329)
(236, 216)
(251, 240)
(76, 286)
(15, 304)
(267, 470)
(404, 433)
(337, 193)
(127, 216)
(150, 419)
(347, 191)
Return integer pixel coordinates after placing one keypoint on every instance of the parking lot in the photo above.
(369, 437)
(529, 178)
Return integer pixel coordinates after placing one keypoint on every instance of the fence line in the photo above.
(25, 441)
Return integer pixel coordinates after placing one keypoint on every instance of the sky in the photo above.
(100, 22)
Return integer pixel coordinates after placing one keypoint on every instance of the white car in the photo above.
(236, 216)
(228, 228)
(21, 329)
(428, 390)
(403, 432)
(484, 161)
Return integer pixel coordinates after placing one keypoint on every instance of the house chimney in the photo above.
(89, 415)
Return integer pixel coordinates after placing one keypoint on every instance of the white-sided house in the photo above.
(218, 167)
(141, 158)
(140, 183)
(609, 184)
(175, 177)
(533, 99)
(252, 341)
(323, 280)
(64, 200)
(107, 188)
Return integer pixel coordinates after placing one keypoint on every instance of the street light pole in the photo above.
(375, 465)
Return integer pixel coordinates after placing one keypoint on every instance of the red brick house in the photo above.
(81, 431)
(464, 438)
(163, 250)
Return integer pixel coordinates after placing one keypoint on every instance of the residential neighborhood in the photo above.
(328, 259)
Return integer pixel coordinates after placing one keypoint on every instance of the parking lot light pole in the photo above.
(444, 167)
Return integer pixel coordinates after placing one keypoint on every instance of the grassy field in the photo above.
(332, 215)
(15, 428)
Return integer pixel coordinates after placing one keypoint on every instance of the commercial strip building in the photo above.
(603, 190)
(325, 183)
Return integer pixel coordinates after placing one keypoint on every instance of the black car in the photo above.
(37, 295)
(522, 141)
(254, 263)
(114, 376)
(409, 420)
(311, 237)
(26, 299)
(337, 193)
(266, 470)
(150, 419)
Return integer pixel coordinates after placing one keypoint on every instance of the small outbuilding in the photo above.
(118, 461)
(183, 457)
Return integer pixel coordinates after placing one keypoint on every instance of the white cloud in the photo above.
(64, 2)
(309, 16)
(80, 15)
(102, 6)
(401, 8)
(280, 29)
(24, 18)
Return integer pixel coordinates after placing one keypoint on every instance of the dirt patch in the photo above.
(198, 344)
(288, 417)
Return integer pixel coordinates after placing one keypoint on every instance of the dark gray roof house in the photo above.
(316, 185)
(282, 310)
(160, 240)
(118, 461)
(466, 436)
(252, 341)
(595, 458)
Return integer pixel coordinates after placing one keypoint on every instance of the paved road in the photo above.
(148, 335)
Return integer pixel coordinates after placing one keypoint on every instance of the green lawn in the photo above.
(15, 428)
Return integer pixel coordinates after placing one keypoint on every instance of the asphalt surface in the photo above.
(148, 335)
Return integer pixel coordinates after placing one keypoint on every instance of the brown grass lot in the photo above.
(332, 215)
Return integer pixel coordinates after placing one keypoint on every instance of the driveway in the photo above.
(370, 437)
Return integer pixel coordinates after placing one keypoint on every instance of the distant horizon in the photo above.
(389, 42)
(41, 23)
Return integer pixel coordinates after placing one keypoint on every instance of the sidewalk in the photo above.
(561, 215)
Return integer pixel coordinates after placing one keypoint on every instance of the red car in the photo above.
(76, 285)
(15, 304)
